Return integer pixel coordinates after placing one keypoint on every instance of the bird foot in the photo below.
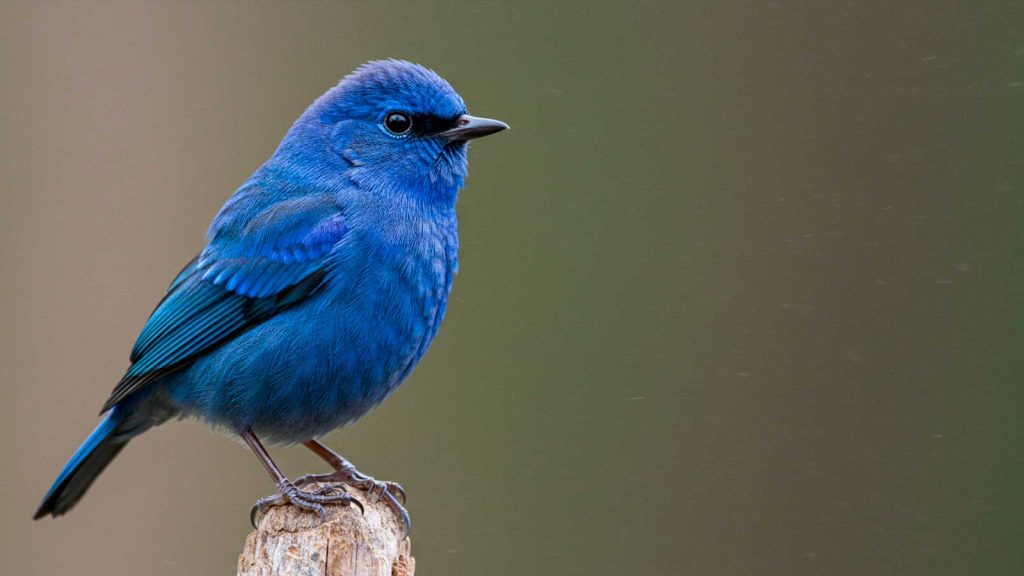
(313, 501)
(391, 492)
(376, 489)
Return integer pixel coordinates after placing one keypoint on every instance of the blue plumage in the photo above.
(64, 492)
(324, 279)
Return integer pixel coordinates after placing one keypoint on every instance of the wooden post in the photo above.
(293, 542)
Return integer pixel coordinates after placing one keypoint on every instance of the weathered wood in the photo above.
(292, 542)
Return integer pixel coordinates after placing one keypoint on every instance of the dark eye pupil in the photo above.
(398, 123)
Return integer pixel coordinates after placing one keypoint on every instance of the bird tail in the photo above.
(105, 442)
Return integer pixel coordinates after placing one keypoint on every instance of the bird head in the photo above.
(398, 126)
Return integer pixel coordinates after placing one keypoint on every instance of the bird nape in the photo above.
(323, 281)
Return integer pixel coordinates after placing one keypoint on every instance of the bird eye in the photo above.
(398, 123)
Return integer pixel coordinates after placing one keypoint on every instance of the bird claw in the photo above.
(356, 479)
(403, 515)
(375, 489)
(313, 500)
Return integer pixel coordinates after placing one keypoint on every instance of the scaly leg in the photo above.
(346, 473)
(288, 491)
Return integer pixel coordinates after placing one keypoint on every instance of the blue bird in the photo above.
(323, 281)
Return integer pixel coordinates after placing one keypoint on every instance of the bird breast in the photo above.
(396, 300)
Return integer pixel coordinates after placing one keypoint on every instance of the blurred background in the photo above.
(740, 293)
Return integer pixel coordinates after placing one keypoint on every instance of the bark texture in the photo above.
(292, 542)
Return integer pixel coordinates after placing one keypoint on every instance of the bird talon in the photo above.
(376, 490)
(397, 491)
(311, 500)
(346, 473)
(403, 515)
(264, 504)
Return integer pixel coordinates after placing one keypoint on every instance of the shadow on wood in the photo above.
(292, 542)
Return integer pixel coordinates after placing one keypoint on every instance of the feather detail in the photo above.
(240, 279)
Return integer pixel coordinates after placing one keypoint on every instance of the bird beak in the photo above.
(469, 127)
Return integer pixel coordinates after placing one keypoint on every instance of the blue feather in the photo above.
(83, 467)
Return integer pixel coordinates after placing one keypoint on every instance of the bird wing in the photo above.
(257, 263)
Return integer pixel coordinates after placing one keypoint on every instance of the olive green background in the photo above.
(740, 291)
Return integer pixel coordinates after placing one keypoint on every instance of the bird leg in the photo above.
(346, 473)
(288, 492)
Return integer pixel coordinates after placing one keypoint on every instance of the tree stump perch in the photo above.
(293, 542)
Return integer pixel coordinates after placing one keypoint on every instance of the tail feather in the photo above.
(88, 462)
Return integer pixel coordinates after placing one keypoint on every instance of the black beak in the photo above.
(469, 127)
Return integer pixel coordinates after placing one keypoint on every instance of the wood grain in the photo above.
(292, 542)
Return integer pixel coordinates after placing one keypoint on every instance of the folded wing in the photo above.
(253, 267)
